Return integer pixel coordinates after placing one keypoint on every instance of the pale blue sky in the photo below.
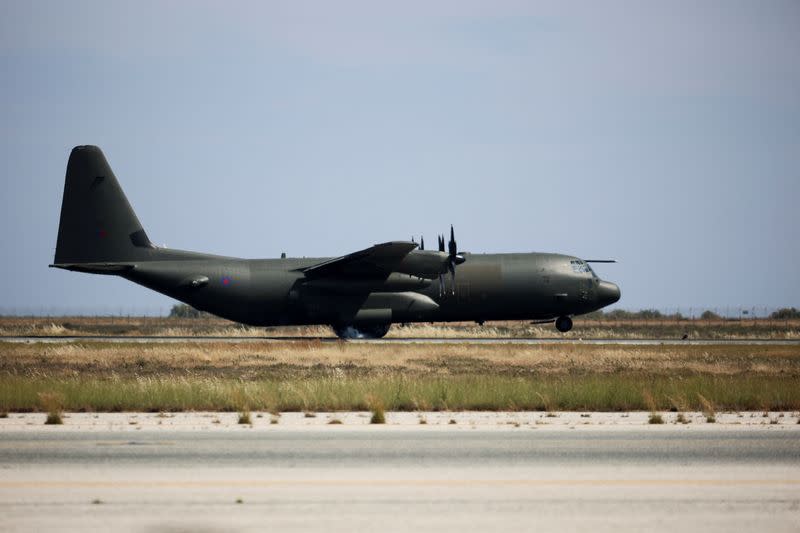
(663, 134)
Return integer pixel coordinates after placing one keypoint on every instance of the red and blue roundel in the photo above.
(226, 281)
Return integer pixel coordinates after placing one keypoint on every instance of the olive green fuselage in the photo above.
(263, 292)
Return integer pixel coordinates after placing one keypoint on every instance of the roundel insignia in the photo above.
(102, 233)
(226, 280)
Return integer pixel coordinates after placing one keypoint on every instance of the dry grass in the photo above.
(397, 392)
(314, 358)
(584, 328)
(315, 375)
(547, 403)
(376, 405)
(53, 404)
(708, 408)
(650, 402)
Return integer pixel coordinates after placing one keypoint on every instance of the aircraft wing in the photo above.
(374, 262)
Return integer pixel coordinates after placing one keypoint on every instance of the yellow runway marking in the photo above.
(394, 483)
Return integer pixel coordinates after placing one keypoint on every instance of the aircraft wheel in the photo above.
(347, 331)
(376, 332)
(563, 324)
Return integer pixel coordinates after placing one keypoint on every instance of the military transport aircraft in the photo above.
(359, 294)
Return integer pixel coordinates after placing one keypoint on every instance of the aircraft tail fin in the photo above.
(97, 223)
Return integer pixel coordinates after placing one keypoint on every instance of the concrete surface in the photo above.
(495, 476)
(262, 421)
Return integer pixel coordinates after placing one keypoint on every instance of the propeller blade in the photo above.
(452, 268)
(421, 242)
(451, 246)
(441, 243)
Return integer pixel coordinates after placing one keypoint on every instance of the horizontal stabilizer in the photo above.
(96, 268)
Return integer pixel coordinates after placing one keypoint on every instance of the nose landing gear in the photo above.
(563, 324)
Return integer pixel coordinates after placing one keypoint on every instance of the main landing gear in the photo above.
(563, 324)
(375, 331)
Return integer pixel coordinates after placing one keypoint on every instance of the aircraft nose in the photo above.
(607, 293)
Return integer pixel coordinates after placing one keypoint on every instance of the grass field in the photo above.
(328, 376)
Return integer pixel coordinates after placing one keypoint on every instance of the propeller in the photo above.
(454, 258)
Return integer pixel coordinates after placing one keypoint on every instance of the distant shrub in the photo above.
(644, 314)
(185, 311)
(619, 314)
(709, 315)
(785, 313)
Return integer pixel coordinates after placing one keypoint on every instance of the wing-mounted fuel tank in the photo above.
(362, 308)
(396, 307)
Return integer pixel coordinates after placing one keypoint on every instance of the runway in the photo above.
(399, 479)
(400, 340)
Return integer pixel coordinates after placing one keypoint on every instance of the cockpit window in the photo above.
(580, 267)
